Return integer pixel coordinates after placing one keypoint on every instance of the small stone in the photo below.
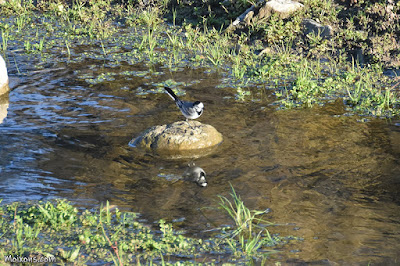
(247, 15)
(311, 26)
(281, 7)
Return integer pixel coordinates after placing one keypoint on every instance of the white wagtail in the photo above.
(191, 110)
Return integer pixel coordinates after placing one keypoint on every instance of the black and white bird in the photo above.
(191, 110)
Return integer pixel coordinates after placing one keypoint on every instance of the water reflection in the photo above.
(195, 174)
(191, 173)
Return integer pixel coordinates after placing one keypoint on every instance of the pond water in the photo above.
(325, 176)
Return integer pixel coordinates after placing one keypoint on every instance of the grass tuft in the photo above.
(248, 236)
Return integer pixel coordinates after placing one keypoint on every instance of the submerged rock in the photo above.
(180, 139)
(3, 77)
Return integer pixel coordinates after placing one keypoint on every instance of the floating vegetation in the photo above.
(101, 78)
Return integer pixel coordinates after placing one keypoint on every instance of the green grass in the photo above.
(247, 237)
(58, 230)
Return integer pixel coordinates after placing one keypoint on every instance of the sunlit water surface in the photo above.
(325, 176)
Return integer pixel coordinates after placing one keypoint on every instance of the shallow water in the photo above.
(325, 176)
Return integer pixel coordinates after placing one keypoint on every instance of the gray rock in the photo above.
(180, 139)
(281, 7)
(246, 16)
(311, 26)
(260, 10)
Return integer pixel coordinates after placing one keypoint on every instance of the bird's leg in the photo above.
(187, 121)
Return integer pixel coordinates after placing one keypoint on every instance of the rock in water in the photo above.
(180, 139)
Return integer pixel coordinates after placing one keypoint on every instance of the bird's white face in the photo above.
(198, 107)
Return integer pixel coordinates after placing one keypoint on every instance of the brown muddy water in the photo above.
(325, 176)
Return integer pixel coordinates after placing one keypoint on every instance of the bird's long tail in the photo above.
(171, 94)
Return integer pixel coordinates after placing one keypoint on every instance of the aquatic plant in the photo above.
(247, 234)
